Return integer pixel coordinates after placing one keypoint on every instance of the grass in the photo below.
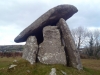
(4, 62)
(91, 67)
(91, 63)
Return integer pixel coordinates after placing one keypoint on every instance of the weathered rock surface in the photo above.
(51, 51)
(30, 49)
(73, 53)
(51, 17)
(53, 71)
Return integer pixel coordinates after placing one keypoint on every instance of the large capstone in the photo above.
(50, 50)
(51, 17)
(72, 51)
(30, 49)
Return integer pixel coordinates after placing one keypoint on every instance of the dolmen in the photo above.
(49, 40)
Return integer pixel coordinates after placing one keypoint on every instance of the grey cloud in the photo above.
(87, 16)
(22, 13)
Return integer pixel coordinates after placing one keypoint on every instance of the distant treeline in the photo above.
(10, 54)
(11, 48)
(87, 39)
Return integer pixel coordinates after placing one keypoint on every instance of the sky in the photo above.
(16, 15)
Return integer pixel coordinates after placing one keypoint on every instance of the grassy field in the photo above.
(91, 63)
(90, 67)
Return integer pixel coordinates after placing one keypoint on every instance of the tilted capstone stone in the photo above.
(30, 49)
(51, 17)
(50, 50)
(72, 51)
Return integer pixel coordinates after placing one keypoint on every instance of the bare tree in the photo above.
(96, 42)
(93, 46)
(90, 50)
(89, 39)
(79, 34)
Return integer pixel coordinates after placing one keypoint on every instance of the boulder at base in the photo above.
(72, 51)
(51, 51)
(30, 49)
(51, 17)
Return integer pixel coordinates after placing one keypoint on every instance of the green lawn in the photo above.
(91, 67)
(4, 62)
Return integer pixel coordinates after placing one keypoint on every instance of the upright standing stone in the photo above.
(30, 49)
(51, 51)
(73, 53)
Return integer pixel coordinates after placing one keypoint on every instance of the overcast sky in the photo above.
(16, 15)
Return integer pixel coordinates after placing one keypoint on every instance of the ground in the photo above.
(90, 67)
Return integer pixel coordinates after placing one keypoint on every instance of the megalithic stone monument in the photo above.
(43, 39)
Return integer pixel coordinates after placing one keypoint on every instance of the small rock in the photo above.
(28, 71)
(12, 66)
(64, 73)
(15, 61)
(53, 71)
